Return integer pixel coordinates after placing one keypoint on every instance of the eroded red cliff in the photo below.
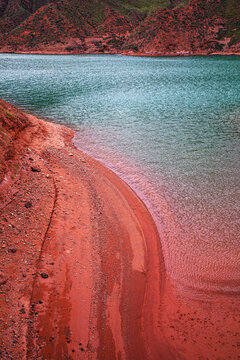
(12, 123)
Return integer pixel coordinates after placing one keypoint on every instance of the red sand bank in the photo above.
(82, 274)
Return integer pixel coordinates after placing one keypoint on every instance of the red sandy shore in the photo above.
(75, 241)
(124, 53)
(82, 273)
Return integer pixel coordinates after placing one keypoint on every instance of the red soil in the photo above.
(82, 274)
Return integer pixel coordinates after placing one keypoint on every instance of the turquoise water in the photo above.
(170, 127)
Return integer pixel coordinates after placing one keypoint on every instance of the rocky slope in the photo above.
(170, 27)
(12, 123)
(202, 27)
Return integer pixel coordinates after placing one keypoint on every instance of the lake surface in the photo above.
(170, 127)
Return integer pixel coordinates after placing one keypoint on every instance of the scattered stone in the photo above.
(22, 311)
(13, 250)
(3, 281)
(3, 278)
(36, 168)
(44, 275)
(31, 159)
(28, 204)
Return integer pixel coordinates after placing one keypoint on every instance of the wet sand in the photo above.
(82, 272)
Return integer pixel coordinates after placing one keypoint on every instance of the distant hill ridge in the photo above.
(157, 27)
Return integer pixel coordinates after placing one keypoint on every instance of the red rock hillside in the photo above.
(203, 27)
(158, 27)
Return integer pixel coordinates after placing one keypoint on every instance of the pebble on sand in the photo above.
(35, 168)
(28, 204)
(44, 275)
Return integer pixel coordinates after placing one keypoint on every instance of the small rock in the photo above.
(3, 278)
(24, 275)
(70, 154)
(44, 275)
(13, 250)
(3, 281)
(36, 168)
(28, 204)
(47, 176)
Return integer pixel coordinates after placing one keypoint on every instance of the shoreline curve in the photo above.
(82, 271)
(96, 264)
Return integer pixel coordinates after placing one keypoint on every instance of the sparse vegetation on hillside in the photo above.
(231, 11)
(134, 25)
